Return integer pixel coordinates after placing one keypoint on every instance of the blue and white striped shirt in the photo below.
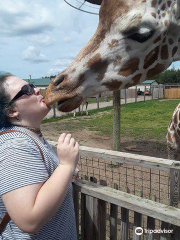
(21, 164)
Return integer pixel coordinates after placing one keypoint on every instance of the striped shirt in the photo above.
(21, 164)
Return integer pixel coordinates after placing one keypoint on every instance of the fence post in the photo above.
(97, 100)
(158, 92)
(76, 209)
(174, 186)
(175, 194)
(144, 93)
(125, 95)
(137, 219)
(136, 94)
(54, 110)
(113, 217)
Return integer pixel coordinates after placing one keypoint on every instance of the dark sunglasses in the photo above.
(25, 90)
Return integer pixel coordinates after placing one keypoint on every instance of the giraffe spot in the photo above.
(176, 118)
(143, 1)
(170, 40)
(97, 65)
(117, 61)
(169, 137)
(153, 3)
(154, 71)
(169, 3)
(157, 39)
(166, 23)
(163, 7)
(163, 15)
(137, 78)
(151, 57)
(174, 51)
(113, 85)
(114, 43)
(164, 52)
(164, 40)
(131, 66)
(153, 14)
(178, 132)
(74, 69)
(165, 33)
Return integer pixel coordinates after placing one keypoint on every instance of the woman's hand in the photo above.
(68, 151)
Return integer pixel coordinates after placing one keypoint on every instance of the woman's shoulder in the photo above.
(14, 134)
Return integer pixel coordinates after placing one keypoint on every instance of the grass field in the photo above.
(142, 120)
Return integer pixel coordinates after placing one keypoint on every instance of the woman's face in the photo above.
(29, 107)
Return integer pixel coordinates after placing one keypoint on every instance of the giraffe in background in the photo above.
(173, 135)
(84, 103)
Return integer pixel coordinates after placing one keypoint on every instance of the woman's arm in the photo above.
(30, 207)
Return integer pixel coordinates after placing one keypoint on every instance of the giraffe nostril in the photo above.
(58, 80)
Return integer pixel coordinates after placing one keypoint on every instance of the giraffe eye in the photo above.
(141, 37)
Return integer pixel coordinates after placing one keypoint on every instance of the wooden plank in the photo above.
(95, 213)
(150, 226)
(113, 218)
(174, 187)
(89, 225)
(126, 158)
(102, 219)
(102, 215)
(131, 202)
(124, 223)
(83, 211)
(151, 221)
(176, 233)
(76, 209)
(137, 219)
(129, 158)
(165, 236)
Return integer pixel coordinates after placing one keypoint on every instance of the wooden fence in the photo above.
(142, 204)
(172, 93)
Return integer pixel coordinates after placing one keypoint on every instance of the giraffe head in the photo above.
(135, 40)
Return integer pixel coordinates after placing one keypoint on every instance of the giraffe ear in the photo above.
(97, 2)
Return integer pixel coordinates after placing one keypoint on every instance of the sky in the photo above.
(40, 38)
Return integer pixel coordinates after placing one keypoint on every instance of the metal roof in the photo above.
(40, 81)
(148, 82)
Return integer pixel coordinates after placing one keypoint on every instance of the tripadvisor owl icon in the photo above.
(138, 231)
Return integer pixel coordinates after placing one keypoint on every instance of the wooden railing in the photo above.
(93, 201)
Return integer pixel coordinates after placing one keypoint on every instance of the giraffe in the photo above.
(84, 103)
(135, 40)
(173, 135)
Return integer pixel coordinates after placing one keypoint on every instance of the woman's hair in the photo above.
(4, 100)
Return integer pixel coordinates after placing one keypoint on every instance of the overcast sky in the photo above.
(41, 37)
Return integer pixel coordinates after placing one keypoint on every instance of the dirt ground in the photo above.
(92, 139)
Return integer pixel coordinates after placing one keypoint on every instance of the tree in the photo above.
(168, 77)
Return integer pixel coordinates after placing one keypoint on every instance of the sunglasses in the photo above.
(25, 90)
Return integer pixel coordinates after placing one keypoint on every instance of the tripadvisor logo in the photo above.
(138, 231)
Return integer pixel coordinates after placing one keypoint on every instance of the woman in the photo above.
(35, 183)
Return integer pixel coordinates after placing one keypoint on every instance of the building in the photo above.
(149, 85)
(41, 83)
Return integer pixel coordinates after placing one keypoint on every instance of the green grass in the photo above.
(142, 120)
